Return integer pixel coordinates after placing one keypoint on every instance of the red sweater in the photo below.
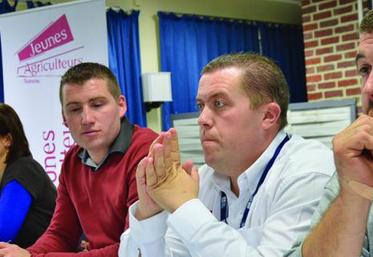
(94, 202)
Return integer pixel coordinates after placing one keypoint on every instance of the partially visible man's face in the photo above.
(92, 115)
(230, 130)
(364, 61)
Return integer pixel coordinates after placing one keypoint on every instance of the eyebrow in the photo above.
(71, 103)
(214, 95)
(98, 98)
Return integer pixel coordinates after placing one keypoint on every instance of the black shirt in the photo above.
(36, 181)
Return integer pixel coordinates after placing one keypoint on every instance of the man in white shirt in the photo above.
(259, 187)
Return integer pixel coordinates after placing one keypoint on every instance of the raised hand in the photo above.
(167, 182)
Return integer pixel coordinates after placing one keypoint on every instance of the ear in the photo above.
(271, 116)
(122, 105)
(7, 140)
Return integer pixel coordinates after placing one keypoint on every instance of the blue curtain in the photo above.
(124, 60)
(284, 44)
(189, 42)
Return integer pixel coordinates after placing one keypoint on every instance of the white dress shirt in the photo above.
(280, 212)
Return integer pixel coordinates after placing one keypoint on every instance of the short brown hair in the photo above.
(11, 125)
(83, 72)
(366, 25)
(262, 79)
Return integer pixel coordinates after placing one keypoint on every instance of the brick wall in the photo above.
(330, 39)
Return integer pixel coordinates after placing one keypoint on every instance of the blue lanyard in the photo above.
(224, 211)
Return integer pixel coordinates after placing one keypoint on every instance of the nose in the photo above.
(87, 116)
(205, 118)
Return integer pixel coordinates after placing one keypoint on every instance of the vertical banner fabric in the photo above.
(38, 46)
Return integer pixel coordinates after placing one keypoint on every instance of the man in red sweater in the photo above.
(97, 182)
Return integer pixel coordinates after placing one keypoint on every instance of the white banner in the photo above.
(38, 46)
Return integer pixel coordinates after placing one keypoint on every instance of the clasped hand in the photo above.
(162, 182)
(11, 250)
(353, 151)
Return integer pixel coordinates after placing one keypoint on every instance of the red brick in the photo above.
(310, 26)
(350, 17)
(353, 91)
(329, 40)
(344, 28)
(308, 53)
(327, 5)
(334, 93)
(343, 10)
(310, 70)
(310, 44)
(344, 47)
(309, 9)
(314, 78)
(325, 50)
(351, 73)
(311, 88)
(328, 23)
(314, 96)
(313, 61)
(351, 36)
(306, 18)
(321, 15)
(307, 36)
(346, 64)
(323, 33)
(346, 1)
(332, 58)
(332, 75)
(348, 82)
(351, 54)
(326, 67)
(326, 85)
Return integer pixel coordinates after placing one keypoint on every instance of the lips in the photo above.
(207, 137)
(89, 132)
(207, 140)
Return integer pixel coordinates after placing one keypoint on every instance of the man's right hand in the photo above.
(353, 152)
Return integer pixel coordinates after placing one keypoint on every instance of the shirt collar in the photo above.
(120, 145)
(249, 179)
